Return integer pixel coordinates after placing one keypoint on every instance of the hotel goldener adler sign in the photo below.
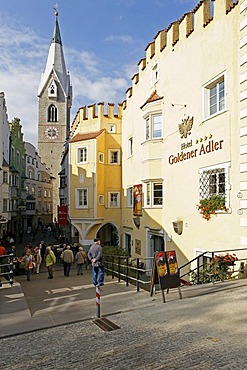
(205, 148)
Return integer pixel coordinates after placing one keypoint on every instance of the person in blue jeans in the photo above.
(95, 255)
(28, 263)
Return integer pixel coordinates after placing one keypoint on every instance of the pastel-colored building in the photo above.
(17, 177)
(95, 174)
(5, 214)
(39, 188)
(184, 136)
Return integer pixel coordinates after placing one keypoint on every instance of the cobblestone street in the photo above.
(204, 332)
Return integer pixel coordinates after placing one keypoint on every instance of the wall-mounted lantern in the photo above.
(178, 227)
(137, 222)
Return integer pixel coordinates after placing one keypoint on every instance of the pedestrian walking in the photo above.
(43, 250)
(38, 258)
(50, 260)
(28, 263)
(68, 259)
(95, 255)
(80, 260)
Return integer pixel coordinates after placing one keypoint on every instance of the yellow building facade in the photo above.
(95, 176)
(185, 136)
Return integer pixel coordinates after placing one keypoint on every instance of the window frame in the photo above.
(5, 205)
(83, 148)
(110, 153)
(52, 113)
(5, 177)
(203, 171)
(112, 128)
(150, 193)
(130, 197)
(52, 90)
(101, 157)
(207, 88)
(18, 157)
(149, 126)
(110, 204)
(155, 73)
(77, 198)
(130, 146)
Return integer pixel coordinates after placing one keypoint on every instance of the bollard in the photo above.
(97, 301)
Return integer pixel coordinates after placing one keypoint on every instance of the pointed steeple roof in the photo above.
(56, 34)
(56, 63)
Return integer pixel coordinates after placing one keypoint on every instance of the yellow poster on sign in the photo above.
(172, 262)
(161, 264)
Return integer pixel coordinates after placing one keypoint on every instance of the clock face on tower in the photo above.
(51, 132)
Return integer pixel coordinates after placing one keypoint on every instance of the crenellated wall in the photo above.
(201, 16)
(96, 112)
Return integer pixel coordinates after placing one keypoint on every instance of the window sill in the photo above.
(158, 140)
(228, 211)
(153, 207)
(205, 119)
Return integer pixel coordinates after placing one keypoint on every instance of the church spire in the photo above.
(56, 37)
(55, 61)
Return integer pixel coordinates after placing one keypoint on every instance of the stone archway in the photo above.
(108, 235)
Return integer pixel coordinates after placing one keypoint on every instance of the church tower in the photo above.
(55, 100)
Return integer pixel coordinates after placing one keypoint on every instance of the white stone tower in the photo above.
(55, 100)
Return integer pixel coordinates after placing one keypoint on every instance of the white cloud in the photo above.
(126, 39)
(104, 89)
(82, 60)
(22, 59)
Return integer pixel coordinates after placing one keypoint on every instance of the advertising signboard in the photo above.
(165, 272)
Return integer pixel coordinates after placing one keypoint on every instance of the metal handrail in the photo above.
(213, 254)
(6, 268)
(122, 268)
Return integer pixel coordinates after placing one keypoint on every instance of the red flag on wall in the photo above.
(62, 212)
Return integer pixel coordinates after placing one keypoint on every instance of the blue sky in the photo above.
(103, 41)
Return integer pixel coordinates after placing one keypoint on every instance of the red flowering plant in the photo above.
(222, 270)
(222, 264)
(209, 206)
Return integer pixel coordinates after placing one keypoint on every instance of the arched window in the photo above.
(52, 90)
(52, 113)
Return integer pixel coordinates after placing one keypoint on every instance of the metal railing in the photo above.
(138, 271)
(6, 269)
(210, 265)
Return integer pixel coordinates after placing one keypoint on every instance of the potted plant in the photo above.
(222, 271)
(210, 205)
(222, 264)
